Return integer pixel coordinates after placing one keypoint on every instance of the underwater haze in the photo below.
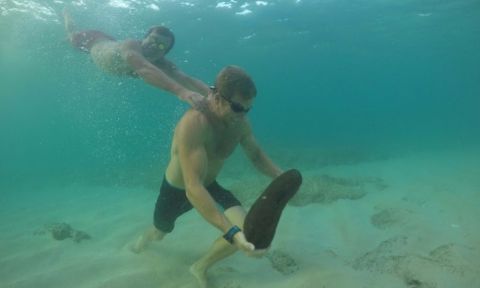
(375, 102)
(374, 77)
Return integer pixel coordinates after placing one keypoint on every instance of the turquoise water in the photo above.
(372, 77)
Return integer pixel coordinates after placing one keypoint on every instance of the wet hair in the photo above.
(162, 30)
(233, 79)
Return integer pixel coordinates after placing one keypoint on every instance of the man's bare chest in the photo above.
(222, 144)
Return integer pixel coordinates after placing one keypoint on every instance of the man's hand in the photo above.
(193, 98)
(241, 243)
(258, 253)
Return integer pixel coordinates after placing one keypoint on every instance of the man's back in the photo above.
(107, 55)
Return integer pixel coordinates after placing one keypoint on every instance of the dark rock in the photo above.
(61, 231)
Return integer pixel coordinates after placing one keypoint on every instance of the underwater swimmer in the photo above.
(139, 58)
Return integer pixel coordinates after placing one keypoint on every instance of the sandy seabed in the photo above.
(410, 221)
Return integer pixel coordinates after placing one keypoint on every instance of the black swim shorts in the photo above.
(172, 202)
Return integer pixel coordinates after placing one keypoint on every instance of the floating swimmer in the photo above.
(144, 58)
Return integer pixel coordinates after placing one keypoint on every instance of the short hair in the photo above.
(162, 30)
(233, 79)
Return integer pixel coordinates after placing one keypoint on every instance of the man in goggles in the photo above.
(203, 140)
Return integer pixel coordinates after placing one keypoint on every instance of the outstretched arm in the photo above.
(193, 158)
(190, 82)
(191, 135)
(257, 156)
(156, 77)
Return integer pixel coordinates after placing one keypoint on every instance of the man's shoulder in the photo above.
(194, 119)
(193, 126)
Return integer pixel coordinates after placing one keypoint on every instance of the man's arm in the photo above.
(256, 155)
(156, 77)
(194, 163)
(190, 82)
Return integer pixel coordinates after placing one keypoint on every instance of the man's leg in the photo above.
(220, 248)
(83, 40)
(69, 24)
(75, 38)
(171, 203)
(151, 234)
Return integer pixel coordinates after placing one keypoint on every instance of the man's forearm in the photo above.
(159, 79)
(191, 83)
(266, 166)
(153, 75)
(205, 205)
(198, 86)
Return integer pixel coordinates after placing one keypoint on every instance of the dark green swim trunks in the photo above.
(172, 202)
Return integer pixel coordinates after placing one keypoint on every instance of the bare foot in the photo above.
(200, 275)
(68, 21)
(139, 245)
(152, 234)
